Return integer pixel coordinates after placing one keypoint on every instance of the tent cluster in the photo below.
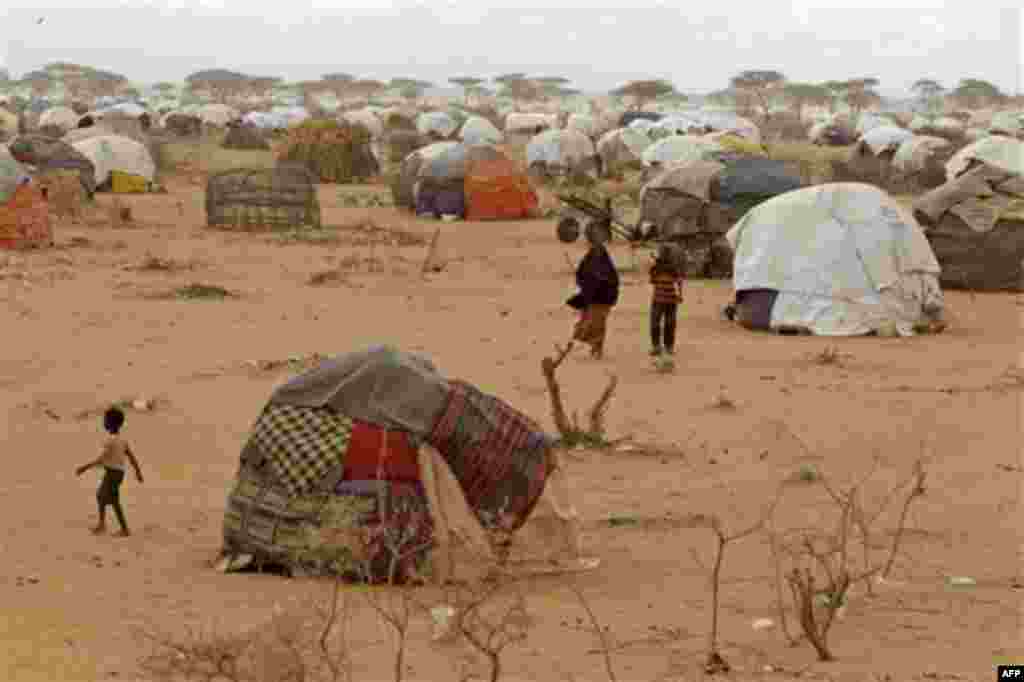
(378, 453)
(471, 181)
(975, 220)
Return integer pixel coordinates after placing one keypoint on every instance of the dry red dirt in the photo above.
(82, 328)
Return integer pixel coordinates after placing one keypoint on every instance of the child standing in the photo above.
(667, 280)
(598, 281)
(115, 454)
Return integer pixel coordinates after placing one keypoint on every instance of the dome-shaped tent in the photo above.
(622, 147)
(112, 153)
(381, 431)
(439, 123)
(478, 130)
(561, 151)
(59, 117)
(679, 149)
(840, 259)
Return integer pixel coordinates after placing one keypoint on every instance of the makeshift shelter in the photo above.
(478, 130)
(124, 125)
(8, 124)
(113, 154)
(218, 115)
(923, 158)
(561, 151)
(677, 149)
(841, 259)
(621, 148)
(440, 180)
(1009, 123)
(63, 118)
(498, 190)
(183, 125)
(695, 203)
(831, 134)
(254, 198)
(975, 222)
(334, 152)
(47, 154)
(629, 117)
(245, 138)
(367, 119)
(518, 123)
(419, 462)
(24, 213)
(437, 123)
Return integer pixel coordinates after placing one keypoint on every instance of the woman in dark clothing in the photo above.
(598, 282)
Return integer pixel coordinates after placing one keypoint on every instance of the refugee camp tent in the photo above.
(112, 154)
(998, 151)
(441, 180)
(1009, 123)
(478, 130)
(413, 456)
(217, 114)
(915, 153)
(334, 152)
(529, 123)
(47, 155)
(253, 198)
(975, 221)
(24, 213)
(831, 134)
(439, 123)
(60, 117)
(629, 117)
(696, 202)
(246, 138)
(869, 121)
(561, 151)
(590, 126)
(679, 149)
(839, 259)
(367, 119)
(182, 124)
(8, 123)
(498, 190)
(622, 147)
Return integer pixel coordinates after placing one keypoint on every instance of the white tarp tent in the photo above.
(845, 258)
(679, 149)
(112, 152)
(478, 130)
(216, 114)
(622, 145)
(563, 148)
(998, 151)
(439, 122)
(1007, 123)
(881, 138)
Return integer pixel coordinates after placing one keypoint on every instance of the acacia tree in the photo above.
(759, 84)
(643, 92)
(802, 95)
(519, 89)
(929, 91)
(409, 88)
(470, 85)
(974, 93)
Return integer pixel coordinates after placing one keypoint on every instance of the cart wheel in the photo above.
(568, 230)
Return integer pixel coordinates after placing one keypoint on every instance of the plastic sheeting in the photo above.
(380, 385)
(1008, 122)
(565, 148)
(452, 161)
(439, 122)
(366, 119)
(528, 122)
(679, 149)
(111, 152)
(846, 259)
(478, 130)
(1004, 153)
(914, 153)
(882, 138)
(216, 114)
(623, 145)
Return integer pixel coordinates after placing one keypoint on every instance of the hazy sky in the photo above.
(697, 46)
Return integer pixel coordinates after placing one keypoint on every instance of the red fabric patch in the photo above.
(369, 457)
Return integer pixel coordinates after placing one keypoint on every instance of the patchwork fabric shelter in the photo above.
(975, 221)
(63, 118)
(47, 154)
(24, 213)
(438, 123)
(678, 149)
(561, 151)
(840, 259)
(478, 130)
(622, 147)
(419, 457)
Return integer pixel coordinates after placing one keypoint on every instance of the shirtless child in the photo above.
(115, 453)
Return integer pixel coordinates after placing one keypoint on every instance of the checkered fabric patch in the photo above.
(302, 444)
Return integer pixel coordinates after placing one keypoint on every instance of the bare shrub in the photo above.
(571, 431)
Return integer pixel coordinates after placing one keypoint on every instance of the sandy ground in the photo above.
(83, 329)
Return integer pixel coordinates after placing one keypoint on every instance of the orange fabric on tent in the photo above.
(498, 190)
(25, 219)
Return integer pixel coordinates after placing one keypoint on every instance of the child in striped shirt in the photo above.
(667, 281)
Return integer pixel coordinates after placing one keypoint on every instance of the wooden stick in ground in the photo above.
(548, 367)
(431, 252)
